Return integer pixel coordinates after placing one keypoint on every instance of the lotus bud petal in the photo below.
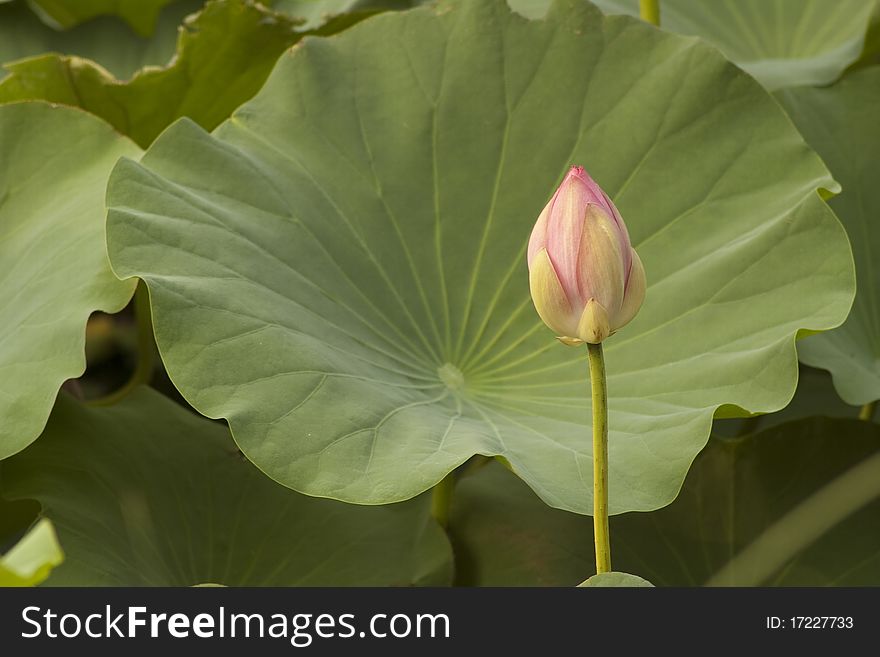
(585, 278)
(593, 326)
(550, 300)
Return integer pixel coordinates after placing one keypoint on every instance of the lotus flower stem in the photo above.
(600, 457)
(441, 499)
(867, 411)
(649, 10)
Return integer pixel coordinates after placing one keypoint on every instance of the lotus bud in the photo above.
(585, 278)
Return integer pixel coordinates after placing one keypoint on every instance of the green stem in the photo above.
(441, 500)
(146, 346)
(649, 10)
(867, 411)
(600, 458)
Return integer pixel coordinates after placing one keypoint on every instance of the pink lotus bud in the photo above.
(586, 279)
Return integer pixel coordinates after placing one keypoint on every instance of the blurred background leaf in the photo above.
(794, 505)
(147, 493)
(106, 40)
(141, 15)
(316, 13)
(224, 54)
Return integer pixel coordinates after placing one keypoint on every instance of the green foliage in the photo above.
(105, 40)
(841, 123)
(315, 13)
(783, 43)
(129, 515)
(789, 506)
(141, 15)
(339, 269)
(224, 54)
(53, 260)
(32, 559)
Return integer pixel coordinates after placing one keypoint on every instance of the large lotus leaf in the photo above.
(31, 560)
(105, 40)
(146, 493)
(54, 270)
(141, 15)
(781, 42)
(840, 122)
(340, 271)
(795, 505)
(224, 55)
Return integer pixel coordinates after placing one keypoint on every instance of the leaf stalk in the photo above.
(441, 500)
